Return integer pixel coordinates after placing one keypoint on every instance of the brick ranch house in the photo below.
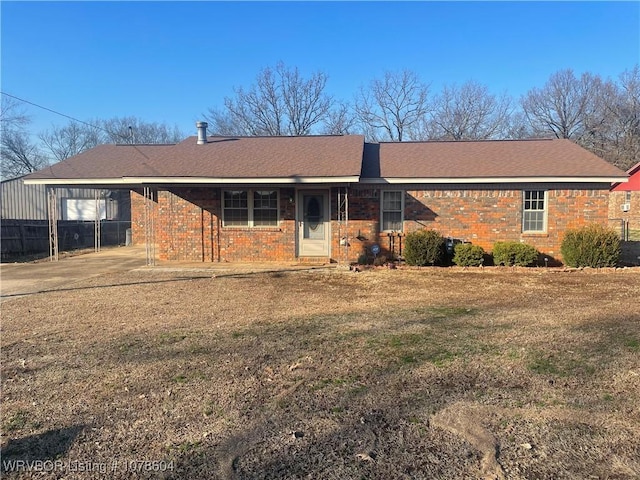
(331, 198)
(624, 201)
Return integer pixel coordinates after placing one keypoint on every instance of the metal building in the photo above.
(24, 217)
(29, 202)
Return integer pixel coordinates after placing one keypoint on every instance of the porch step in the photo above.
(314, 260)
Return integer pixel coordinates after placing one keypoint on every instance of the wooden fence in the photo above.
(26, 237)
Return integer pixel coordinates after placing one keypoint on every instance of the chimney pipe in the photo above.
(202, 132)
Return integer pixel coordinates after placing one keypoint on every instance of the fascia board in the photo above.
(74, 181)
(476, 180)
(190, 180)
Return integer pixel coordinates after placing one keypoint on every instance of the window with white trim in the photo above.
(391, 210)
(265, 208)
(250, 208)
(534, 211)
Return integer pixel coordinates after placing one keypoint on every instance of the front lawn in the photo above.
(431, 373)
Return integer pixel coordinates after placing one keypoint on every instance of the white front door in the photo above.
(313, 223)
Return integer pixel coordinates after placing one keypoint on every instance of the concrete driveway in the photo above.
(18, 279)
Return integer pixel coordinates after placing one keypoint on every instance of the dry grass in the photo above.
(438, 373)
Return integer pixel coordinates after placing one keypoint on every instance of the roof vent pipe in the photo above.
(202, 132)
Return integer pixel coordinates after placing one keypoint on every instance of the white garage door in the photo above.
(84, 209)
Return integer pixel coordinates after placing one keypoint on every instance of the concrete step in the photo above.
(314, 260)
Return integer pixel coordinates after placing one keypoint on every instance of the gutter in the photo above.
(489, 180)
(125, 181)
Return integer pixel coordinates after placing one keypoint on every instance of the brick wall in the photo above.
(481, 216)
(617, 216)
(138, 216)
(189, 228)
(189, 225)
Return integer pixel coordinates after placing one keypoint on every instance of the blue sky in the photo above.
(170, 61)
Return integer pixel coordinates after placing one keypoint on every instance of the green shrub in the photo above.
(363, 259)
(468, 255)
(514, 254)
(424, 247)
(591, 246)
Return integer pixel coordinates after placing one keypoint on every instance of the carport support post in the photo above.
(149, 230)
(52, 208)
(96, 226)
(346, 221)
(343, 222)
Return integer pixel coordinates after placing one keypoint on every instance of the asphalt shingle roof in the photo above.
(221, 157)
(332, 157)
(488, 159)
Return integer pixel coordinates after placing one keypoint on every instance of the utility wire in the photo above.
(74, 119)
(111, 133)
(53, 111)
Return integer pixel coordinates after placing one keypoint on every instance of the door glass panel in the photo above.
(313, 217)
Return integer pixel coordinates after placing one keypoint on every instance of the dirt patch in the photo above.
(466, 420)
(432, 373)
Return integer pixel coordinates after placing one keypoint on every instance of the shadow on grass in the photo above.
(420, 335)
(275, 273)
(374, 422)
(47, 446)
(318, 427)
(367, 434)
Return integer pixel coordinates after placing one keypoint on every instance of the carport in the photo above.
(101, 191)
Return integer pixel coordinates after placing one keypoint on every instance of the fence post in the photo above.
(626, 230)
(23, 239)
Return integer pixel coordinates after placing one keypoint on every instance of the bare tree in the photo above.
(305, 102)
(134, 130)
(12, 115)
(221, 122)
(518, 127)
(75, 137)
(620, 142)
(628, 117)
(71, 139)
(566, 106)
(602, 116)
(389, 107)
(340, 121)
(469, 112)
(281, 102)
(18, 154)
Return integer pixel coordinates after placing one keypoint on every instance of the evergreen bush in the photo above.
(362, 259)
(468, 255)
(591, 246)
(424, 247)
(514, 254)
